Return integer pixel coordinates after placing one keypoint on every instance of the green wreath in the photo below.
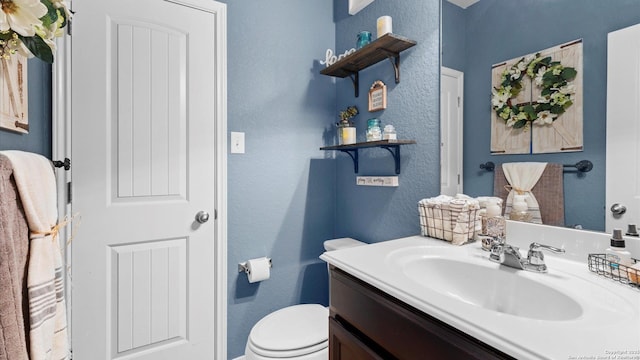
(555, 98)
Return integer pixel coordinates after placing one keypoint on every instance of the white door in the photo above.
(148, 99)
(451, 91)
(623, 127)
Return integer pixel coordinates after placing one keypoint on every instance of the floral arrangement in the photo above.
(30, 26)
(346, 115)
(555, 97)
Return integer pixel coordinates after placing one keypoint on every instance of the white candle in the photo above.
(385, 25)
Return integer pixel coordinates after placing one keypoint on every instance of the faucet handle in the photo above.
(536, 257)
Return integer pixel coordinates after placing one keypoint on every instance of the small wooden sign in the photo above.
(377, 96)
(13, 94)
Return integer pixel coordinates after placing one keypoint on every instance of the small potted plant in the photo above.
(346, 129)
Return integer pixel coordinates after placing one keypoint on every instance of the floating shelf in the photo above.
(393, 146)
(388, 46)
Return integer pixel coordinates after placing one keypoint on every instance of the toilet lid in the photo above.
(298, 328)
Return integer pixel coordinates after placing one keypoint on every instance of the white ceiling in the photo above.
(463, 3)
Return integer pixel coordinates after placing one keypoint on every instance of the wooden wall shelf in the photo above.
(393, 146)
(388, 46)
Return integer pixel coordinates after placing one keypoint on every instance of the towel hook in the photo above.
(66, 164)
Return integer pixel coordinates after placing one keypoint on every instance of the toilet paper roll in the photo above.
(258, 269)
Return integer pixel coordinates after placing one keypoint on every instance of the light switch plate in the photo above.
(237, 142)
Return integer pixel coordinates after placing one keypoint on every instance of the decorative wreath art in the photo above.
(555, 98)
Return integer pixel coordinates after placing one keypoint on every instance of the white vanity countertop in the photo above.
(608, 326)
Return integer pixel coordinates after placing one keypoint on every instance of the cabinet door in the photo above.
(345, 346)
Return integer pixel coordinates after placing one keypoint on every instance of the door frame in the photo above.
(61, 147)
(459, 76)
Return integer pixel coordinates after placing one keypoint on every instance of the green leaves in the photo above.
(38, 48)
(519, 124)
(52, 13)
(530, 111)
(568, 73)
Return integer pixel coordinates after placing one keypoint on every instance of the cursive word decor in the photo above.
(331, 59)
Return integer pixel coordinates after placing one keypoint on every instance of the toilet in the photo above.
(298, 332)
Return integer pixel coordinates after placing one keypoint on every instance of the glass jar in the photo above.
(364, 38)
(340, 126)
(389, 133)
(374, 133)
(520, 209)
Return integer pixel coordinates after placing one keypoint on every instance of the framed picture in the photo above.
(563, 130)
(356, 5)
(13, 94)
(378, 96)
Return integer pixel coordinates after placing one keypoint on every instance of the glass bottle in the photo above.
(364, 38)
(374, 133)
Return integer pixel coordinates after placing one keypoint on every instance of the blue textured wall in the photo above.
(39, 138)
(494, 33)
(281, 192)
(454, 36)
(374, 214)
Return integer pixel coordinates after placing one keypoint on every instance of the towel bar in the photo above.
(581, 166)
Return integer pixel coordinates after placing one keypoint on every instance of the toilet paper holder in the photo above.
(242, 267)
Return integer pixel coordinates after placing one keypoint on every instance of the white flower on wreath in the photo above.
(543, 99)
(568, 89)
(538, 78)
(30, 26)
(516, 71)
(500, 97)
(21, 15)
(544, 118)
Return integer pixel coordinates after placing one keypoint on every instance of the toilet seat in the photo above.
(293, 331)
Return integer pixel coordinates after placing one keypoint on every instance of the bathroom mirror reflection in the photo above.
(479, 33)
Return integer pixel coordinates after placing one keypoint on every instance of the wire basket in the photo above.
(453, 225)
(599, 264)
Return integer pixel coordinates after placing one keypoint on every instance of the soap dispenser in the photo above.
(520, 209)
(617, 254)
(496, 226)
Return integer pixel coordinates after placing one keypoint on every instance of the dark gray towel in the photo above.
(549, 193)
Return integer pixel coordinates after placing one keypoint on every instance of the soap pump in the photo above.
(495, 223)
(520, 209)
(617, 254)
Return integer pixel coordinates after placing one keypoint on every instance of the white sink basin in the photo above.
(513, 310)
(502, 290)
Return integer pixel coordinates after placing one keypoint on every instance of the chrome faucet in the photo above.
(509, 255)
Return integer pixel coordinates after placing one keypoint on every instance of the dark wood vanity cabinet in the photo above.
(366, 323)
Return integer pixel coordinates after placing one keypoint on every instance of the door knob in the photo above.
(202, 217)
(618, 209)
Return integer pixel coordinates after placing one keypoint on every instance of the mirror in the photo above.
(491, 31)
